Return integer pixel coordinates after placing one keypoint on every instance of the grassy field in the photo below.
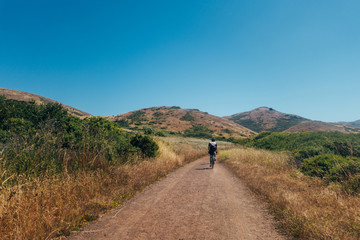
(55, 205)
(305, 207)
(331, 156)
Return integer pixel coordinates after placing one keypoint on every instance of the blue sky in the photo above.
(219, 56)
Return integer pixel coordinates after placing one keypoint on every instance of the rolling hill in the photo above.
(191, 122)
(27, 97)
(317, 126)
(354, 124)
(266, 119)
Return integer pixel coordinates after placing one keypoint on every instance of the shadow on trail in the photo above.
(208, 168)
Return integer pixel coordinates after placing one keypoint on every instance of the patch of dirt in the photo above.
(195, 202)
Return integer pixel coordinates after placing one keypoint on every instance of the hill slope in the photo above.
(188, 121)
(354, 124)
(27, 97)
(317, 126)
(266, 119)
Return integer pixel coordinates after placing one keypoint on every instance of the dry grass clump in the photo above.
(53, 206)
(305, 207)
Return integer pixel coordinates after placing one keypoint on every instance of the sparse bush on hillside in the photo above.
(158, 114)
(226, 130)
(187, 117)
(137, 117)
(198, 131)
(122, 123)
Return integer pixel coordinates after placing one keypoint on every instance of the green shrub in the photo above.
(122, 123)
(331, 167)
(137, 117)
(308, 144)
(198, 131)
(226, 130)
(187, 117)
(332, 156)
(39, 139)
(147, 145)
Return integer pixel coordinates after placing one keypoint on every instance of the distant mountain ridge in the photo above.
(27, 97)
(192, 121)
(188, 121)
(354, 123)
(266, 119)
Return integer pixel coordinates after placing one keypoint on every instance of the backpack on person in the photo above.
(212, 147)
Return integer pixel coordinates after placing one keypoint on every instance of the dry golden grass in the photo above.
(50, 207)
(305, 208)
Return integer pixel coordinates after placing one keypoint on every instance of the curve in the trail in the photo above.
(194, 202)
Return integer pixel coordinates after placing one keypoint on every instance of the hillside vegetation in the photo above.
(332, 156)
(37, 139)
(57, 171)
(354, 124)
(304, 207)
(177, 121)
(267, 119)
(318, 126)
(30, 97)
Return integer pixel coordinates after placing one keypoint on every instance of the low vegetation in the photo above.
(305, 207)
(57, 172)
(332, 156)
(187, 117)
(198, 131)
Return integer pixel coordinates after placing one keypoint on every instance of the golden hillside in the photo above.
(175, 119)
(266, 119)
(27, 97)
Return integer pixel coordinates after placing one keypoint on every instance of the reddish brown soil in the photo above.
(195, 202)
(171, 119)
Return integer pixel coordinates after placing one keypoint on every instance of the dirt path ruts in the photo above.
(194, 202)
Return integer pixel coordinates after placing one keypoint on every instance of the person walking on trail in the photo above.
(212, 149)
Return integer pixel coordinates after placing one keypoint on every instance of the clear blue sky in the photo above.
(220, 56)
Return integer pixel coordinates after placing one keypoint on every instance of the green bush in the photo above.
(147, 145)
(123, 123)
(335, 168)
(137, 117)
(333, 156)
(308, 144)
(198, 131)
(39, 139)
(187, 117)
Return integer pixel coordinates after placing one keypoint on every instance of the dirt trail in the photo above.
(195, 202)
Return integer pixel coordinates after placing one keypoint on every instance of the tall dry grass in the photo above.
(53, 206)
(305, 207)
